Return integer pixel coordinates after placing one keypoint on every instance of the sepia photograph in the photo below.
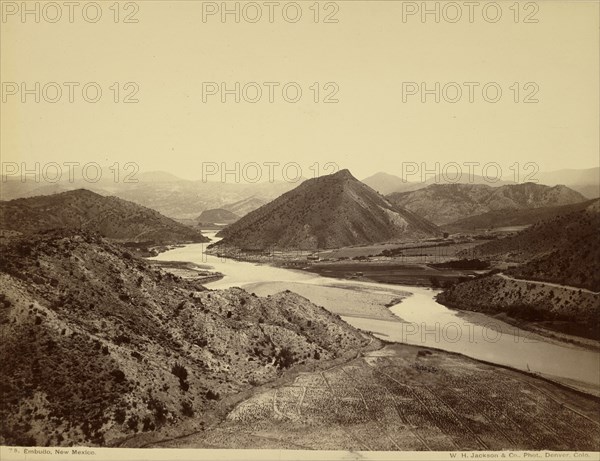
(300, 230)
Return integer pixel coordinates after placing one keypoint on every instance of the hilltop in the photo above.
(112, 217)
(217, 215)
(99, 345)
(386, 183)
(327, 212)
(446, 203)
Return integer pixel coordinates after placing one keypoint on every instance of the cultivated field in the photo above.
(408, 398)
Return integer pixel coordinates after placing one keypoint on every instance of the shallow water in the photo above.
(425, 322)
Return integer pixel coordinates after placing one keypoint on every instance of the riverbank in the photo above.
(565, 313)
(188, 270)
(419, 320)
(542, 329)
(346, 301)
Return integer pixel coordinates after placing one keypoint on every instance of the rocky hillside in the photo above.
(508, 218)
(564, 250)
(571, 311)
(446, 203)
(326, 212)
(112, 217)
(556, 280)
(98, 345)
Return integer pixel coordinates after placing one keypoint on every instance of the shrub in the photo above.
(187, 409)
(147, 424)
(120, 415)
(118, 375)
(180, 371)
(210, 395)
(159, 409)
(285, 358)
(132, 423)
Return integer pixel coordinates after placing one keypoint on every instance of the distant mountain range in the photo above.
(112, 217)
(584, 181)
(446, 203)
(326, 212)
(184, 200)
(171, 196)
(386, 183)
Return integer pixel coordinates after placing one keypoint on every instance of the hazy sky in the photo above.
(367, 54)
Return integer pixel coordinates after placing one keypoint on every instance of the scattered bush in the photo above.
(118, 375)
(285, 358)
(181, 372)
(187, 409)
(210, 395)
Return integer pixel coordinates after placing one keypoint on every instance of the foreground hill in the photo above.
(509, 218)
(81, 209)
(98, 345)
(326, 212)
(446, 203)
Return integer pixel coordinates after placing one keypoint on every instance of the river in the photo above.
(420, 319)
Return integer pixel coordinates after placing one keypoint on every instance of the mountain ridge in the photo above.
(113, 217)
(446, 203)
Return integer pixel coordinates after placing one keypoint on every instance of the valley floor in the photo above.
(399, 397)
(407, 398)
